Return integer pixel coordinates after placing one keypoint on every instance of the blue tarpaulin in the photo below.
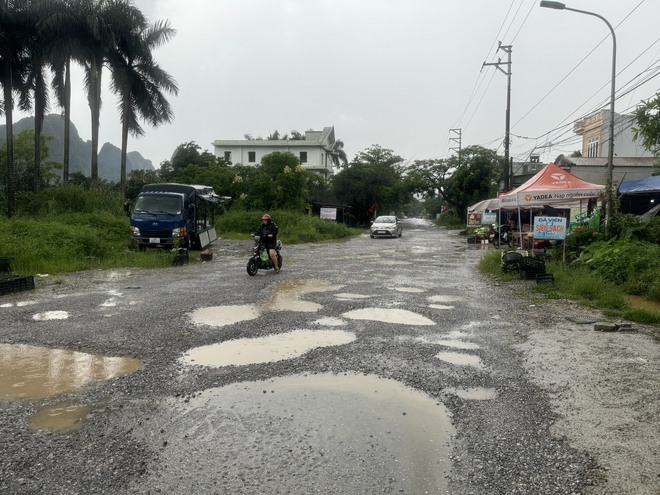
(634, 186)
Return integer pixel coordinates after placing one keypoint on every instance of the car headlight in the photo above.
(179, 232)
(135, 231)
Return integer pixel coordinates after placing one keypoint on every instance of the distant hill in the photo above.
(81, 151)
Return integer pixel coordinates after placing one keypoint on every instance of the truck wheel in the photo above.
(252, 267)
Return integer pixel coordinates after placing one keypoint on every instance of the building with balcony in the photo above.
(314, 151)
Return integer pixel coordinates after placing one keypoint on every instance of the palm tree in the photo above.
(14, 32)
(140, 82)
(66, 31)
(100, 25)
(338, 154)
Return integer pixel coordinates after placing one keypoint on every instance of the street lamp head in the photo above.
(552, 5)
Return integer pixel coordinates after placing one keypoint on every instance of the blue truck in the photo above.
(175, 216)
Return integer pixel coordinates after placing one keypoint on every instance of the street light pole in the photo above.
(610, 154)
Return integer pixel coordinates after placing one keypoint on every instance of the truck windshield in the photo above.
(158, 204)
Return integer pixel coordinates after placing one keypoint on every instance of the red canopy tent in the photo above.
(552, 185)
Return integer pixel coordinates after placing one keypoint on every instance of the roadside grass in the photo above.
(294, 228)
(61, 239)
(576, 283)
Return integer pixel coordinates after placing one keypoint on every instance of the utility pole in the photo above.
(458, 133)
(507, 72)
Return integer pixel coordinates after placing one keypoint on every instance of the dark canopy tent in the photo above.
(639, 195)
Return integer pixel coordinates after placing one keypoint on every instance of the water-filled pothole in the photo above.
(33, 373)
(389, 315)
(287, 295)
(62, 417)
(50, 315)
(460, 359)
(219, 316)
(445, 299)
(265, 349)
(302, 431)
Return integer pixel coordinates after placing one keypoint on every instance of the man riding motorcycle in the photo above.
(267, 233)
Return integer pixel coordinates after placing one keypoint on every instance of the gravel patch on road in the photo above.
(605, 390)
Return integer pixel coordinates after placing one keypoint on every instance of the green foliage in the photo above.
(460, 180)
(621, 261)
(449, 219)
(294, 227)
(647, 117)
(374, 177)
(577, 241)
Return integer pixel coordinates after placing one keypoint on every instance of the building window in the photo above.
(252, 156)
(228, 156)
(303, 157)
(592, 148)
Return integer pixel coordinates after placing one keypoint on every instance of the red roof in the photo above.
(552, 185)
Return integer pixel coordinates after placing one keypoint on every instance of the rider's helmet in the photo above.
(266, 217)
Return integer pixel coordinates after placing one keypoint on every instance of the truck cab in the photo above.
(174, 216)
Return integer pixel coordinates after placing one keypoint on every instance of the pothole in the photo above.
(460, 359)
(265, 349)
(219, 316)
(389, 315)
(287, 295)
(32, 373)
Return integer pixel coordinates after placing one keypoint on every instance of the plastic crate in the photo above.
(14, 283)
(529, 263)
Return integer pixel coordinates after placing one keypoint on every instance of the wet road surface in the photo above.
(366, 366)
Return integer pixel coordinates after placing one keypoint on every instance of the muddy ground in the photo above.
(604, 388)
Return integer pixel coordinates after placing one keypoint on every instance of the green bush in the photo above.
(293, 227)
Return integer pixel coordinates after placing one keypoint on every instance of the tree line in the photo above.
(39, 42)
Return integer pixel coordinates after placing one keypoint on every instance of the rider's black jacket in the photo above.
(265, 229)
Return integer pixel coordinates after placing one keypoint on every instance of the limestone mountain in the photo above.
(80, 151)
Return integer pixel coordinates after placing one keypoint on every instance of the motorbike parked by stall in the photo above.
(503, 235)
(260, 260)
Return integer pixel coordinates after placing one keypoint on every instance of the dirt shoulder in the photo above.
(605, 390)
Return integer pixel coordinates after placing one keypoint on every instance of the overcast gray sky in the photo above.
(397, 73)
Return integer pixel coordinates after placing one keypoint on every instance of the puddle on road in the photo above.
(50, 315)
(460, 359)
(409, 289)
(445, 299)
(18, 304)
(33, 373)
(265, 349)
(344, 296)
(63, 417)
(287, 295)
(219, 316)
(388, 315)
(476, 393)
(440, 306)
(322, 426)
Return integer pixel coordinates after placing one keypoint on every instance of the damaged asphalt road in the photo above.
(366, 366)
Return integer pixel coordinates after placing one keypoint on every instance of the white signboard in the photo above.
(329, 213)
(550, 228)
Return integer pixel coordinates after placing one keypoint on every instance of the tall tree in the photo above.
(338, 155)
(647, 117)
(103, 24)
(15, 31)
(460, 181)
(374, 177)
(140, 84)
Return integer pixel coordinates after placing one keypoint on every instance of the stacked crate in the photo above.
(13, 283)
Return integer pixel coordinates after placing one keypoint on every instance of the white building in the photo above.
(314, 152)
(595, 132)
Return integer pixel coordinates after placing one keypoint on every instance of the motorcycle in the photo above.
(260, 259)
(502, 236)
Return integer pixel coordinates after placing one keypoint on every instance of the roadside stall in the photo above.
(555, 191)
